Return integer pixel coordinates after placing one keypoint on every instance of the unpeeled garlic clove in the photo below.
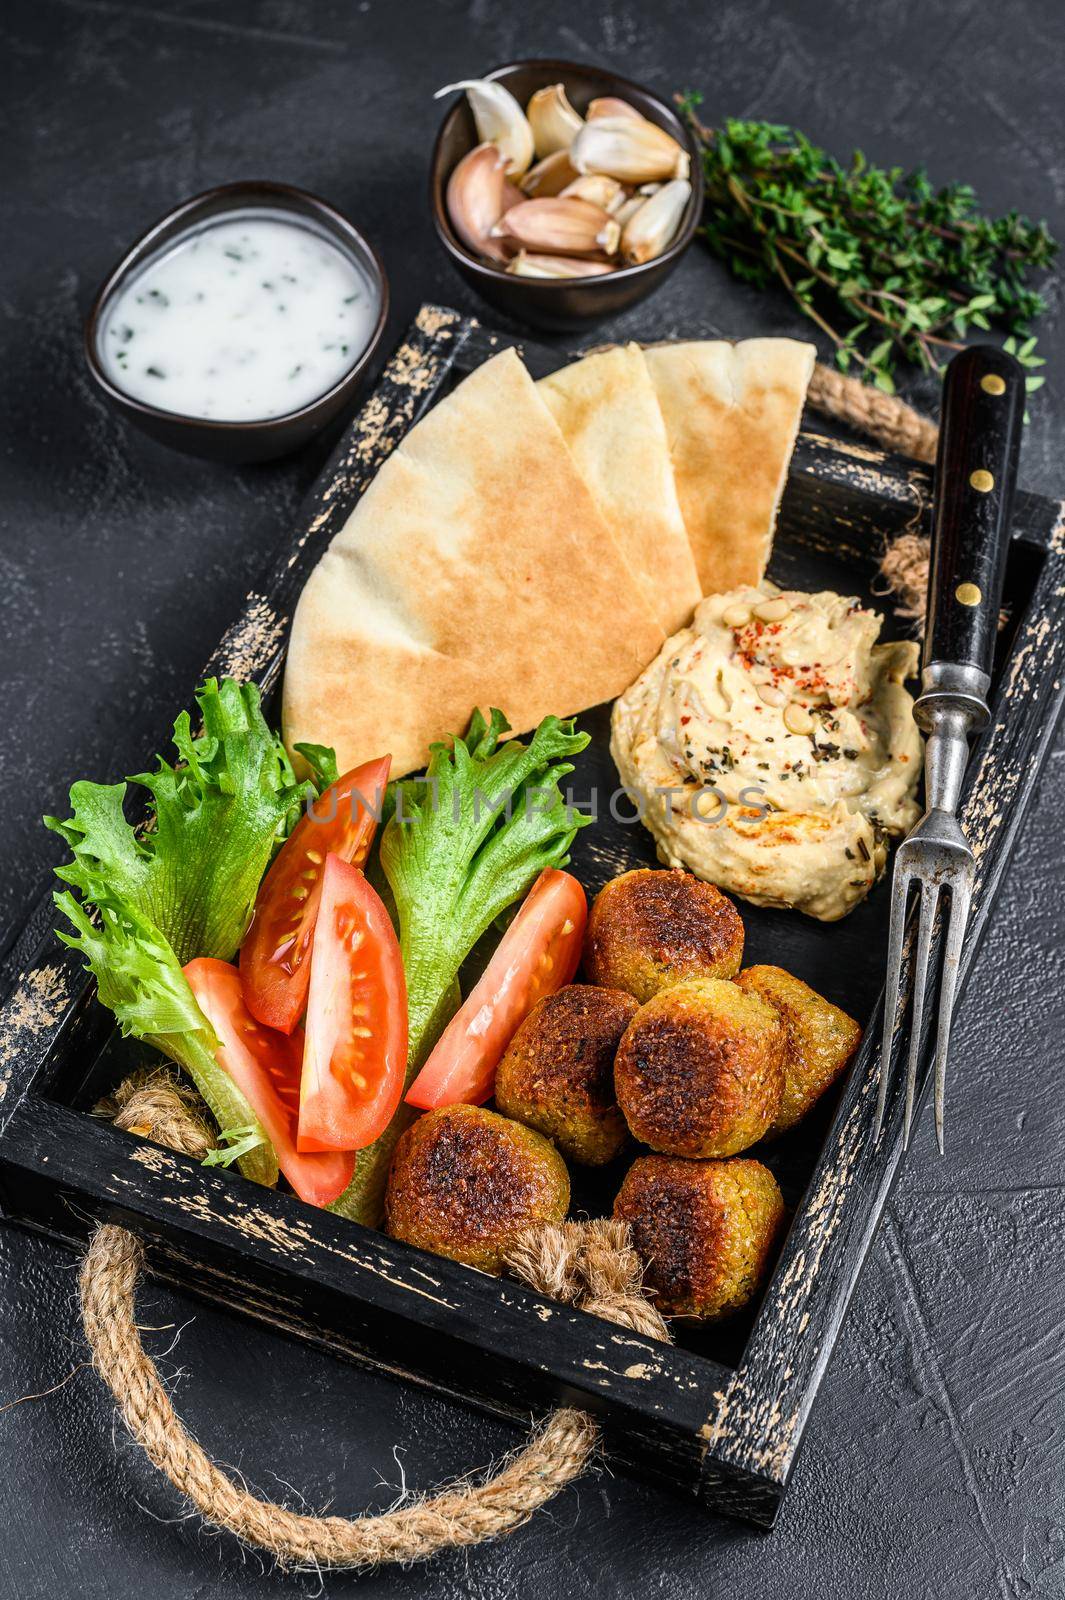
(651, 229)
(553, 121)
(549, 177)
(476, 199)
(526, 265)
(598, 188)
(560, 227)
(631, 151)
(610, 106)
(500, 120)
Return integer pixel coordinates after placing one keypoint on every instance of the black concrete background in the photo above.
(933, 1464)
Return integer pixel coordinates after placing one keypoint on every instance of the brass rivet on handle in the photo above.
(991, 383)
(982, 480)
(968, 594)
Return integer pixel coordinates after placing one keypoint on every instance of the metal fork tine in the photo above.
(957, 922)
(899, 893)
(929, 896)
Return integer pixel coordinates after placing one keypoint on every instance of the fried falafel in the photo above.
(649, 929)
(820, 1040)
(700, 1069)
(465, 1182)
(557, 1074)
(703, 1229)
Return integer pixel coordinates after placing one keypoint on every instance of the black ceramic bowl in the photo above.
(559, 303)
(239, 441)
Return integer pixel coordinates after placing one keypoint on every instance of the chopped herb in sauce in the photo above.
(213, 338)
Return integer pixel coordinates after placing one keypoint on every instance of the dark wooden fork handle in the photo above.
(976, 469)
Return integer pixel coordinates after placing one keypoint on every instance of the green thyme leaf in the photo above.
(862, 247)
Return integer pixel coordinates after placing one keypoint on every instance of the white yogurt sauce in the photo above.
(248, 317)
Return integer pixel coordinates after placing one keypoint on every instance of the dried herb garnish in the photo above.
(888, 267)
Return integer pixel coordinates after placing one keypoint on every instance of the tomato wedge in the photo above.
(355, 1055)
(538, 954)
(274, 965)
(266, 1066)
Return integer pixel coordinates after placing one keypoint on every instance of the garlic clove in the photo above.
(598, 188)
(549, 177)
(553, 121)
(526, 265)
(610, 237)
(559, 227)
(629, 150)
(476, 199)
(627, 209)
(652, 228)
(499, 119)
(610, 106)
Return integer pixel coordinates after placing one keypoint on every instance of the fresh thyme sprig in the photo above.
(888, 267)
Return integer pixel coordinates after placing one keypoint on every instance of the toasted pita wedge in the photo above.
(611, 421)
(475, 570)
(732, 413)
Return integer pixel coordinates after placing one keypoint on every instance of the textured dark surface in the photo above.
(933, 1462)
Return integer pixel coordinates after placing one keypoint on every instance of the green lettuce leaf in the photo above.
(323, 764)
(215, 820)
(461, 845)
(183, 885)
(140, 979)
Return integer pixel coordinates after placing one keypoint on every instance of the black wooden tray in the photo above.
(721, 1415)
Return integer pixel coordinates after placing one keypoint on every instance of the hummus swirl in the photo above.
(771, 747)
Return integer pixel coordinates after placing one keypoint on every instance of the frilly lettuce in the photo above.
(150, 900)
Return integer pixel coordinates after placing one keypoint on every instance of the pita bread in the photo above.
(611, 421)
(732, 413)
(475, 570)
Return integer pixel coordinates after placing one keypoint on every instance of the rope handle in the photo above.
(587, 1264)
(883, 417)
(590, 1265)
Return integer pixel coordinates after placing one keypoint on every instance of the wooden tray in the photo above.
(721, 1415)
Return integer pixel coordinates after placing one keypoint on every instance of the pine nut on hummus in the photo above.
(771, 747)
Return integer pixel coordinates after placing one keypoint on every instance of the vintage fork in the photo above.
(976, 468)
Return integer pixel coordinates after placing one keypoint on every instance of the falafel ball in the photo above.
(703, 1229)
(558, 1071)
(819, 1039)
(700, 1069)
(649, 929)
(465, 1182)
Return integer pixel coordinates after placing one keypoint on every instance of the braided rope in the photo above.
(586, 1264)
(884, 417)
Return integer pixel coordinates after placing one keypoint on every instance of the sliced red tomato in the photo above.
(355, 1054)
(274, 959)
(266, 1066)
(538, 954)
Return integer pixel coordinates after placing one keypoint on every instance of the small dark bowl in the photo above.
(239, 441)
(559, 303)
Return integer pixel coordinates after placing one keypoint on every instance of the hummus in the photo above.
(771, 748)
